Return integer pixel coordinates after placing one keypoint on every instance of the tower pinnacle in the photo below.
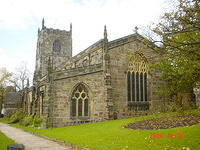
(43, 26)
(105, 33)
(71, 27)
(27, 82)
(136, 29)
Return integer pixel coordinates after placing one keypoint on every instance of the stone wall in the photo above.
(12, 102)
(62, 91)
(118, 51)
(90, 56)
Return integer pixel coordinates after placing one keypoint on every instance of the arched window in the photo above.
(56, 46)
(80, 102)
(137, 78)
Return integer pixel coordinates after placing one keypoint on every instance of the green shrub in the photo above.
(37, 121)
(27, 121)
(17, 116)
(7, 117)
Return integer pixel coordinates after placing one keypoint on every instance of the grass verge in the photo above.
(4, 141)
(110, 135)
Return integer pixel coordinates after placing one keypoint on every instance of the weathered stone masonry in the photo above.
(108, 80)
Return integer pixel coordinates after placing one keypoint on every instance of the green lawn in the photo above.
(4, 141)
(110, 135)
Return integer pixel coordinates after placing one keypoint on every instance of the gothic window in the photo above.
(136, 78)
(80, 102)
(56, 46)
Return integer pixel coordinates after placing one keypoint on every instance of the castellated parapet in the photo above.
(53, 44)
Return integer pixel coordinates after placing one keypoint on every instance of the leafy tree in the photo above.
(179, 31)
(5, 78)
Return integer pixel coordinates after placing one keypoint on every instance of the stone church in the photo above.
(107, 80)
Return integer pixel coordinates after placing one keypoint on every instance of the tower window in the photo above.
(56, 46)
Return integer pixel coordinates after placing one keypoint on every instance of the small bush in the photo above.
(27, 121)
(7, 117)
(37, 121)
(17, 116)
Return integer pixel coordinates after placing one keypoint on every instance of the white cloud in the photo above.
(11, 60)
(6, 61)
(88, 18)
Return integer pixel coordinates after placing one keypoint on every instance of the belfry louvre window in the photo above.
(56, 46)
(137, 78)
(79, 102)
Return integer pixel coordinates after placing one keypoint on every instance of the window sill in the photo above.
(80, 118)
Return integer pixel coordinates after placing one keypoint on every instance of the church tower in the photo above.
(53, 44)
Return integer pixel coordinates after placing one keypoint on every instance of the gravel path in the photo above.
(30, 141)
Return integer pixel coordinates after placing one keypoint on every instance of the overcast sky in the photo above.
(20, 20)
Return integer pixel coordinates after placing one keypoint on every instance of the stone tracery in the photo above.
(79, 101)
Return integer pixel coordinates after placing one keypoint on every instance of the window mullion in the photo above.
(83, 108)
(77, 107)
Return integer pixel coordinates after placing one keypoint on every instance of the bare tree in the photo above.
(21, 75)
